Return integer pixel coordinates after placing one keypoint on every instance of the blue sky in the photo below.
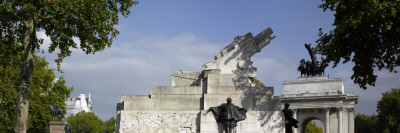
(161, 37)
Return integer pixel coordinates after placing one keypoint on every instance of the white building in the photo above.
(75, 105)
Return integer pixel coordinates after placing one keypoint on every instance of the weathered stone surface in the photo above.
(130, 121)
(237, 54)
(57, 126)
(313, 85)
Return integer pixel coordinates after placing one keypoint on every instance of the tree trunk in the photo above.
(21, 120)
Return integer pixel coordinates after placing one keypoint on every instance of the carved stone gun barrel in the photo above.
(262, 39)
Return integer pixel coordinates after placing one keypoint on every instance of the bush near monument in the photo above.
(88, 122)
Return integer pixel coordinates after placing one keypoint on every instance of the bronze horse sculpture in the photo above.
(56, 111)
(313, 67)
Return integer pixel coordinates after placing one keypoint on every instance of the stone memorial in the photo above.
(180, 107)
(57, 126)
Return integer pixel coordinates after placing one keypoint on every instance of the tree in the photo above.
(92, 22)
(313, 128)
(110, 125)
(45, 90)
(365, 124)
(388, 109)
(86, 122)
(367, 33)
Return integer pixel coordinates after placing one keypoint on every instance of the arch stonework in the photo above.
(320, 98)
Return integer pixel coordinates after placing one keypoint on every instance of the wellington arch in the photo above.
(320, 98)
(179, 108)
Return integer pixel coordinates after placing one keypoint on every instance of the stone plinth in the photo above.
(57, 126)
(313, 85)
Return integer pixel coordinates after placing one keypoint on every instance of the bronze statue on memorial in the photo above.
(56, 111)
(289, 120)
(314, 67)
(227, 115)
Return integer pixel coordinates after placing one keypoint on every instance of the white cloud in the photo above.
(131, 68)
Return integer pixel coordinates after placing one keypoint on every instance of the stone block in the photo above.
(184, 78)
(176, 90)
(57, 126)
(158, 121)
(147, 103)
(312, 85)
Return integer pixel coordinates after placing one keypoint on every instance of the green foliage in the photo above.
(256, 81)
(9, 75)
(365, 124)
(367, 32)
(45, 90)
(110, 125)
(388, 109)
(91, 21)
(313, 128)
(88, 122)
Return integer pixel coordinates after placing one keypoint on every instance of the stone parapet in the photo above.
(176, 90)
(147, 103)
(314, 85)
(184, 78)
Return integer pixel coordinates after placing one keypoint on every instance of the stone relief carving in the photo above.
(271, 122)
(237, 54)
(155, 122)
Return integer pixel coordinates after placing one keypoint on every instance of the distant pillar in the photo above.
(351, 120)
(340, 119)
(326, 120)
(295, 117)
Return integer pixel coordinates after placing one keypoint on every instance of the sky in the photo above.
(161, 37)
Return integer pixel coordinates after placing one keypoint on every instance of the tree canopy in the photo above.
(367, 32)
(91, 21)
(45, 90)
(388, 109)
(88, 122)
(388, 118)
(110, 125)
(312, 127)
(365, 124)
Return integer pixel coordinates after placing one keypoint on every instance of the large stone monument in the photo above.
(179, 108)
